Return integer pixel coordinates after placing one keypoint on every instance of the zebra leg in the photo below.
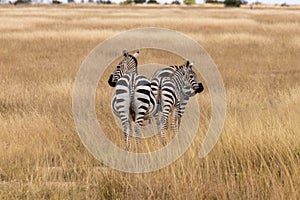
(174, 124)
(166, 104)
(164, 127)
(179, 121)
(156, 117)
(180, 111)
(127, 130)
(137, 136)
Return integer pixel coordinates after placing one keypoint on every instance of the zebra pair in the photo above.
(137, 100)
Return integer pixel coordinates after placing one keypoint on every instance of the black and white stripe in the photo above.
(159, 74)
(133, 100)
(174, 93)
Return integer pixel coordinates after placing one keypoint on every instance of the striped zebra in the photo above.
(133, 100)
(159, 74)
(173, 94)
(187, 91)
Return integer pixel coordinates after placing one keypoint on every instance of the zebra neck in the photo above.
(130, 71)
(133, 70)
(179, 82)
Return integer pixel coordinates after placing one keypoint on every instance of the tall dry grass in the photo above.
(257, 156)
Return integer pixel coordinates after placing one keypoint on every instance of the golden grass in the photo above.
(257, 156)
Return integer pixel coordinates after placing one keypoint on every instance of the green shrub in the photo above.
(176, 2)
(189, 2)
(232, 3)
(152, 2)
(126, 2)
(139, 1)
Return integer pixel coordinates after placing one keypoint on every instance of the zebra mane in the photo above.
(176, 67)
(179, 67)
(133, 58)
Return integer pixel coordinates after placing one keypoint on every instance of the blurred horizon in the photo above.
(289, 2)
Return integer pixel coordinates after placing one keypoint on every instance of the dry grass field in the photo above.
(257, 52)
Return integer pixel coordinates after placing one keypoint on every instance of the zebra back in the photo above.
(160, 74)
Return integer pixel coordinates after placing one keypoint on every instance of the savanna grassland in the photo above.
(258, 154)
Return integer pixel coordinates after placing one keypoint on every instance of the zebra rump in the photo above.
(133, 99)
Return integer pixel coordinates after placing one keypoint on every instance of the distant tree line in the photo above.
(232, 3)
(126, 2)
(228, 3)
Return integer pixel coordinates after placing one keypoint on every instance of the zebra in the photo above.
(159, 74)
(186, 91)
(133, 100)
(174, 92)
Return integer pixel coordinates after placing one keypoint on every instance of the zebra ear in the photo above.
(191, 65)
(187, 62)
(125, 53)
(136, 55)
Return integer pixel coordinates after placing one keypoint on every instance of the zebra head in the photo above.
(127, 65)
(192, 79)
